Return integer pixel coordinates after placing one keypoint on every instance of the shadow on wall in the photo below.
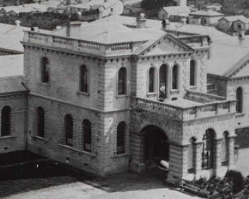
(242, 138)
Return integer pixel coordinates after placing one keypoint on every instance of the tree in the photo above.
(156, 4)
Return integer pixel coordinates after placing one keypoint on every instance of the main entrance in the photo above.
(156, 145)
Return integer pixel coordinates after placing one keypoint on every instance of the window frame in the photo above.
(175, 77)
(239, 98)
(152, 80)
(164, 83)
(45, 72)
(122, 82)
(120, 140)
(6, 121)
(68, 130)
(40, 126)
(192, 72)
(84, 79)
(87, 135)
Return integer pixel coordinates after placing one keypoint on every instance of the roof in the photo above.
(235, 18)
(202, 30)
(107, 32)
(34, 7)
(183, 103)
(11, 65)
(177, 10)
(227, 56)
(209, 13)
(11, 35)
(11, 84)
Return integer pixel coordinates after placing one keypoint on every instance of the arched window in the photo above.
(40, 121)
(163, 73)
(44, 70)
(192, 73)
(225, 148)
(175, 77)
(83, 79)
(191, 155)
(121, 137)
(208, 150)
(152, 80)
(239, 98)
(69, 130)
(6, 121)
(87, 135)
(122, 79)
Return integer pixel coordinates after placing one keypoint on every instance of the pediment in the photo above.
(167, 44)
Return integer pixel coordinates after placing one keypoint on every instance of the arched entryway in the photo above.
(156, 145)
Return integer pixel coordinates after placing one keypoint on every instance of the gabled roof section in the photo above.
(177, 10)
(11, 84)
(167, 44)
(209, 13)
(234, 18)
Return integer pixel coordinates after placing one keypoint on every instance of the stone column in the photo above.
(178, 162)
(217, 155)
(231, 158)
(137, 149)
(198, 159)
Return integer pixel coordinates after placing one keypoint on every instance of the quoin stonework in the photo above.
(105, 97)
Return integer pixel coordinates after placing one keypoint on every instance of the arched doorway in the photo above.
(156, 145)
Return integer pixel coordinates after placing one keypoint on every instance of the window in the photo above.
(192, 155)
(175, 77)
(87, 135)
(163, 73)
(40, 122)
(121, 137)
(122, 76)
(225, 149)
(83, 79)
(239, 98)
(69, 130)
(208, 149)
(5, 121)
(44, 70)
(192, 73)
(152, 80)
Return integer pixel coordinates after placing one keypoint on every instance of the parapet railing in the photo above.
(77, 44)
(199, 111)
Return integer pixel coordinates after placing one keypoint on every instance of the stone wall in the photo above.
(17, 139)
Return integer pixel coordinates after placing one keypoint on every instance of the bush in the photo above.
(237, 179)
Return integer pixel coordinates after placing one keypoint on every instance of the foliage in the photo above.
(45, 20)
(156, 4)
(237, 179)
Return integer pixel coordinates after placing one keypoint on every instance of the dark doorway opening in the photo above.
(156, 147)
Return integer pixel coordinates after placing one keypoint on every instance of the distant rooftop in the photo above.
(235, 18)
(209, 13)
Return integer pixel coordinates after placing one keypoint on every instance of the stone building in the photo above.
(105, 98)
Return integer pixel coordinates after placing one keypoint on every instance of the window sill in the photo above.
(237, 115)
(175, 91)
(8, 137)
(83, 93)
(44, 84)
(192, 87)
(76, 150)
(119, 155)
(39, 138)
(152, 94)
(122, 96)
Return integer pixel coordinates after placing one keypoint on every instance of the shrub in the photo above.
(237, 179)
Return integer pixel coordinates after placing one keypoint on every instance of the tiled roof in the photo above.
(206, 13)
(227, 55)
(11, 65)
(235, 18)
(11, 84)
(177, 10)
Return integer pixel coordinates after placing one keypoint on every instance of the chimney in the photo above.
(184, 21)
(18, 2)
(241, 34)
(68, 30)
(141, 21)
(17, 22)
